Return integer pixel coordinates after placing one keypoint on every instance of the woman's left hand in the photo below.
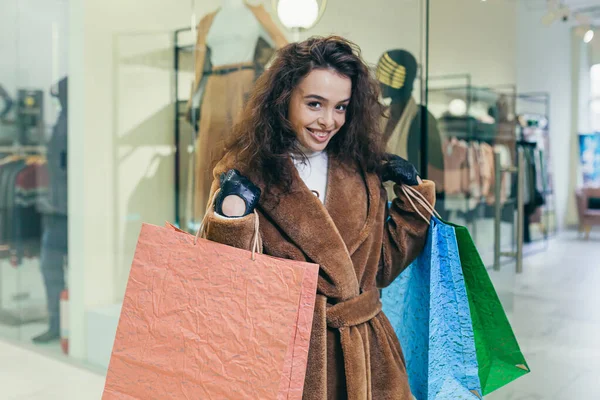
(398, 170)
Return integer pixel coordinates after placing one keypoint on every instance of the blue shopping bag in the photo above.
(429, 310)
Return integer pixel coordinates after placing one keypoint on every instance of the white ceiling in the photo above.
(573, 4)
(590, 8)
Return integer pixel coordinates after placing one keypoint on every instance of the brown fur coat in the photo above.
(354, 352)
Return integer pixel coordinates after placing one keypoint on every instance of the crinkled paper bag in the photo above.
(204, 321)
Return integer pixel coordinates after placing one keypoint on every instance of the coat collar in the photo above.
(313, 227)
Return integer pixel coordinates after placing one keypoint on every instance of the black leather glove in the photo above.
(232, 183)
(398, 170)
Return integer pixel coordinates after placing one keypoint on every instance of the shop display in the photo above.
(470, 172)
(233, 46)
(23, 184)
(477, 125)
(23, 181)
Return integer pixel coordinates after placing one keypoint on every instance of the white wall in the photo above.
(376, 26)
(121, 139)
(544, 64)
(473, 37)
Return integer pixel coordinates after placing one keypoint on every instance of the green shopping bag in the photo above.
(498, 354)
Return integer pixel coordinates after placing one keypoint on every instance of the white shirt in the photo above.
(313, 172)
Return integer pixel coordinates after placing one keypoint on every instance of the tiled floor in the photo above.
(556, 318)
(28, 375)
(554, 307)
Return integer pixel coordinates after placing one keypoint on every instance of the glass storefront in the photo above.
(152, 98)
(33, 169)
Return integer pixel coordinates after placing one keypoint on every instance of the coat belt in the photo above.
(355, 311)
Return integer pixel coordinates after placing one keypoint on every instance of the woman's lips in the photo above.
(319, 136)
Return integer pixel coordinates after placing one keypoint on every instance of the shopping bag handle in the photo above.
(202, 230)
(412, 193)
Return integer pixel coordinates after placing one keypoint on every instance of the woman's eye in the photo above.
(314, 104)
(342, 107)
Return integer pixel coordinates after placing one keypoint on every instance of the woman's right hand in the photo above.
(238, 196)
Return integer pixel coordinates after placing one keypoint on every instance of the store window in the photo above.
(152, 99)
(33, 170)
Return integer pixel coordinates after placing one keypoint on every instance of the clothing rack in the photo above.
(18, 149)
(536, 105)
(7, 316)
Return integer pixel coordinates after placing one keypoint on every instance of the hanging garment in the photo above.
(22, 185)
(8, 175)
(474, 179)
(487, 168)
(506, 177)
(224, 97)
(31, 185)
(455, 157)
(398, 141)
(223, 93)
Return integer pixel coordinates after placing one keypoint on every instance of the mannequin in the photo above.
(233, 46)
(396, 72)
(55, 220)
(234, 33)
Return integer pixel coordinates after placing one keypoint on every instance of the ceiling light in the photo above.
(589, 35)
(298, 14)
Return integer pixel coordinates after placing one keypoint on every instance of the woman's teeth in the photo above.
(320, 134)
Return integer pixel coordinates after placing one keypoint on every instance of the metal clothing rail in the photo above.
(18, 149)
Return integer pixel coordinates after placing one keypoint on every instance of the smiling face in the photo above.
(318, 106)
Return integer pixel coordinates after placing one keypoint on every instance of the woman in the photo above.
(307, 158)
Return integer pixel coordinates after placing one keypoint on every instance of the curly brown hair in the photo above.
(263, 138)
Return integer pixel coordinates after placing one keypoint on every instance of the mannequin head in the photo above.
(396, 73)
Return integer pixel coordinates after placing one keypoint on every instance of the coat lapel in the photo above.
(329, 234)
(352, 202)
(304, 219)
